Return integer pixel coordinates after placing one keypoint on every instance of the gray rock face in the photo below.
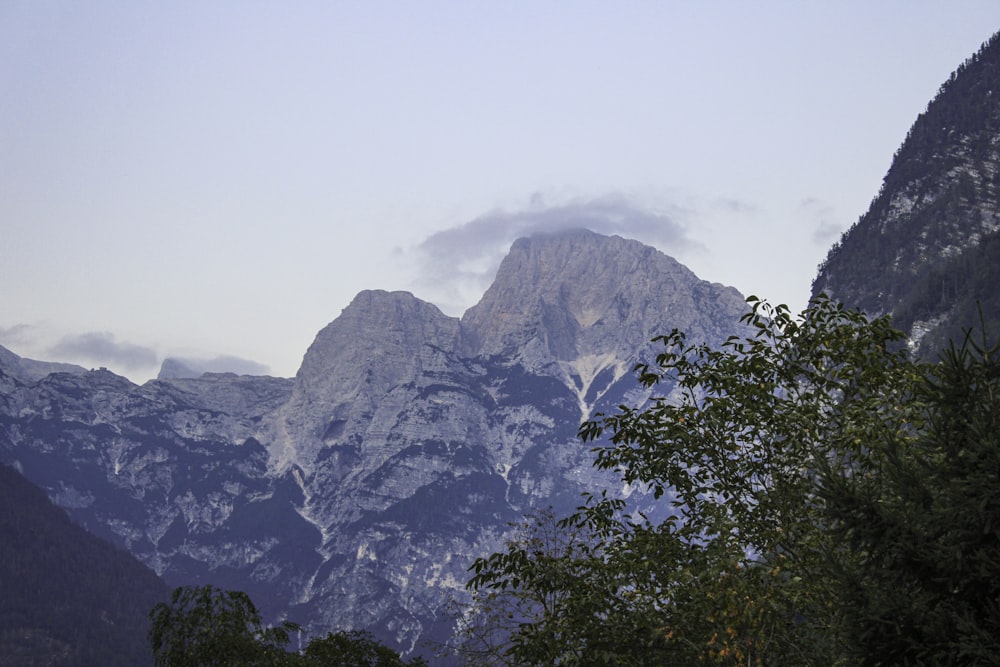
(176, 368)
(581, 307)
(577, 294)
(382, 340)
(357, 495)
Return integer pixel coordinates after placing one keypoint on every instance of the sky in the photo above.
(215, 181)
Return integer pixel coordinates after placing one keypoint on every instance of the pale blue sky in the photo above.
(221, 178)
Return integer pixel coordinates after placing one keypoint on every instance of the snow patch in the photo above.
(308, 509)
(587, 368)
(364, 553)
(921, 328)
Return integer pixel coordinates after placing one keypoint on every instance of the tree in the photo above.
(740, 572)
(208, 627)
(922, 516)
(531, 580)
(353, 649)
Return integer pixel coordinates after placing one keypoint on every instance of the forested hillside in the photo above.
(67, 598)
(926, 250)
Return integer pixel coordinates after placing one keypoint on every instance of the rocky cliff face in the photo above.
(558, 307)
(381, 341)
(357, 495)
(927, 249)
(170, 471)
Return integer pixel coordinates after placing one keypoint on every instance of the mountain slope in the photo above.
(68, 598)
(926, 249)
(29, 370)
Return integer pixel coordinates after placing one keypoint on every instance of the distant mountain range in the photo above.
(357, 494)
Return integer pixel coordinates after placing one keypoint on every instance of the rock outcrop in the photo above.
(559, 307)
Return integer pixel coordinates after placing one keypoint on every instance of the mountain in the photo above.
(29, 370)
(357, 494)
(927, 250)
(68, 598)
(174, 367)
(558, 307)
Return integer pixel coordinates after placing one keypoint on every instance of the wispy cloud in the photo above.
(734, 205)
(44, 342)
(18, 334)
(101, 348)
(456, 265)
(823, 218)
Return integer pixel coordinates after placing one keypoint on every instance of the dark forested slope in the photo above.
(927, 248)
(66, 597)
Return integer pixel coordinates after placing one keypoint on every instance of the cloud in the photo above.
(44, 342)
(458, 264)
(101, 348)
(18, 334)
(734, 205)
(826, 229)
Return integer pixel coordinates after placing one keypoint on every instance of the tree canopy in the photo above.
(832, 502)
(204, 626)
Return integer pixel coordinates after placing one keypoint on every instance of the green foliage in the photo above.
(352, 649)
(208, 627)
(922, 517)
(744, 570)
(547, 593)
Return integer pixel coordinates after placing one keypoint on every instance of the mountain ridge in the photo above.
(356, 494)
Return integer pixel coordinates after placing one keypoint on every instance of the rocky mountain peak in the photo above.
(376, 324)
(358, 493)
(380, 340)
(574, 304)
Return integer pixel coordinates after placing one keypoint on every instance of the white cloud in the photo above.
(101, 348)
(823, 218)
(456, 265)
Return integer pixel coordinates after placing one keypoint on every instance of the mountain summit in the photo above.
(575, 303)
